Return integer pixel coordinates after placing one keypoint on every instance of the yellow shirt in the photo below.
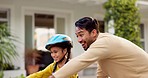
(47, 72)
(116, 58)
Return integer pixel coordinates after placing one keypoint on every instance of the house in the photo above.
(58, 16)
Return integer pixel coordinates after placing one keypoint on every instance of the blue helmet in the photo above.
(58, 38)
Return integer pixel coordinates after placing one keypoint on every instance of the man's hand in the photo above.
(51, 76)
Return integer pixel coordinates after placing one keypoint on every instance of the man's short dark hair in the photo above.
(87, 23)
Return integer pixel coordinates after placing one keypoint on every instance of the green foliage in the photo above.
(7, 47)
(1, 74)
(126, 19)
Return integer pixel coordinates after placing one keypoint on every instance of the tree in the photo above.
(126, 18)
(7, 48)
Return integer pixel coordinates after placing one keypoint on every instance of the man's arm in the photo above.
(95, 52)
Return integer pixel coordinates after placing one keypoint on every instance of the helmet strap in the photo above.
(55, 66)
(62, 58)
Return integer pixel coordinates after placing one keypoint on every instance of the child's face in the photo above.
(57, 53)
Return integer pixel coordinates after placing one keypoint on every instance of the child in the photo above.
(60, 47)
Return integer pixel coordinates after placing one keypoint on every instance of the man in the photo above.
(116, 57)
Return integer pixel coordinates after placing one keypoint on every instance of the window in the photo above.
(4, 16)
(44, 29)
(101, 26)
(41, 37)
(142, 35)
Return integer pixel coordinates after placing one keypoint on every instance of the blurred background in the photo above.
(33, 22)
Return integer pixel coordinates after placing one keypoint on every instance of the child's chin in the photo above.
(56, 60)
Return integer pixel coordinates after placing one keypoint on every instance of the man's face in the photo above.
(84, 37)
